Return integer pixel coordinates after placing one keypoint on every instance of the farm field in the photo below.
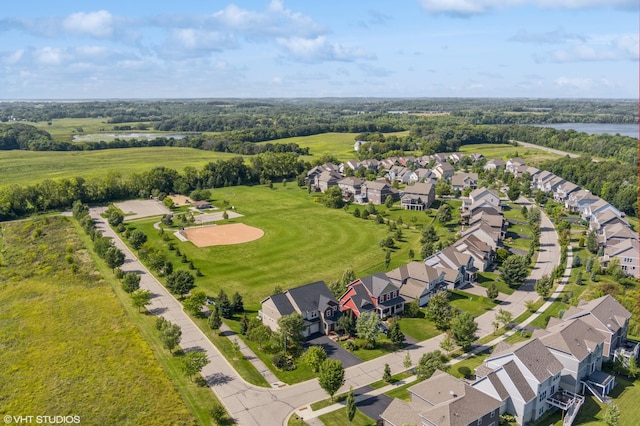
(68, 347)
(303, 242)
(30, 167)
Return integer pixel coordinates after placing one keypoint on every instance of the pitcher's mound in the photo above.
(218, 235)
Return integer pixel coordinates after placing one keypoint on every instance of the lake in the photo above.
(624, 129)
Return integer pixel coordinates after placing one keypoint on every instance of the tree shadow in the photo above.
(218, 379)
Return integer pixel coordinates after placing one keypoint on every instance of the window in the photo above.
(543, 396)
(479, 421)
(493, 414)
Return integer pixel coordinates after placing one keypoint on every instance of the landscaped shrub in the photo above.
(350, 345)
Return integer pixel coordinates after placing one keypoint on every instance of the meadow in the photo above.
(68, 348)
(31, 167)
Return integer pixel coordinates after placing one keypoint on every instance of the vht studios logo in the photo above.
(41, 420)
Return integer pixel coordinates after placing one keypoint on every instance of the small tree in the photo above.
(632, 369)
(429, 363)
(170, 335)
(492, 291)
(447, 344)
(130, 282)
(530, 305)
(194, 303)
(137, 238)
(395, 334)
(214, 320)
(314, 357)
(291, 327)
(406, 362)
(543, 286)
(367, 328)
(443, 215)
(141, 298)
(504, 317)
(193, 362)
(114, 257)
(218, 414)
(386, 375)
(464, 328)
(439, 311)
(612, 415)
(351, 406)
(388, 202)
(347, 323)
(331, 376)
(225, 307)
(237, 303)
(180, 282)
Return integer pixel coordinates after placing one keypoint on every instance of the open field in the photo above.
(30, 167)
(337, 144)
(303, 242)
(531, 155)
(67, 346)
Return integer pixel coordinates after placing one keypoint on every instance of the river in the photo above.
(623, 129)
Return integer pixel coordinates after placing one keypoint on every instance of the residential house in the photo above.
(495, 164)
(450, 258)
(319, 309)
(599, 206)
(422, 175)
(627, 253)
(483, 254)
(579, 347)
(614, 234)
(481, 196)
(375, 293)
(550, 185)
(418, 196)
(440, 157)
(418, 281)
(514, 163)
(539, 180)
(606, 218)
(578, 200)
(611, 319)
(351, 187)
(377, 191)
(563, 190)
(461, 181)
(444, 171)
(358, 144)
(529, 373)
(327, 179)
(443, 400)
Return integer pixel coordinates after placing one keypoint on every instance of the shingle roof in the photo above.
(282, 304)
(416, 270)
(307, 297)
(606, 309)
(419, 188)
(574, 337)
(534, 356)
(401, 413)
(378, 284)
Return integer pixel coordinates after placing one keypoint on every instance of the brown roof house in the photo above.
(418, 196)
(443, 400)
(418, 281)
(377, 191)
(461, 181)
(319, 309)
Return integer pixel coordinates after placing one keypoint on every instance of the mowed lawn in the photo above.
(304, 242)
(505, 151)
(67, 346)
(31, 167)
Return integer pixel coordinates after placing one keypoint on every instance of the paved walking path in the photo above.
(253, 405)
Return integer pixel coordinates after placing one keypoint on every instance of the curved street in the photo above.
(253, 405)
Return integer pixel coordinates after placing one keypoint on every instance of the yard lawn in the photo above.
(304, 242)
(466, 368)
(339, 417)
(467, 302)
(486, 278)
(69, 346)
(419, 328)
(552, 311)
(383, 347)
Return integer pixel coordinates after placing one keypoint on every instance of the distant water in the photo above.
(630, 130)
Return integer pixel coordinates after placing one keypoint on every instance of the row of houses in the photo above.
(554, 369)
(611, 226)
(386, 293)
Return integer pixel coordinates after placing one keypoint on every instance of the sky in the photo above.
(76, 49)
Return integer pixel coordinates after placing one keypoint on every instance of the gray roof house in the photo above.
(418, 281)
(319, 309)
(418, 196)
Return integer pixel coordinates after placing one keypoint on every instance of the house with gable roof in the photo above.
(319, 309)
(418, 196)
(443, 400)
(627, 252)
(450, 258)
(418, 281)
(444, 170)
(373, 293)
(495, 164)
(462, 180)
(377, 191)
(529, 373)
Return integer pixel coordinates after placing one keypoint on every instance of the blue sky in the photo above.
(316, 48)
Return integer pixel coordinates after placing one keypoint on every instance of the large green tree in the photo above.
(439, 310)
(291, 327)
(464, 328)
(114, 257)
(429, 363)
(130, 282)
(170, 335)
(331, 376)
(141, 298)
(193, 362)
(314, 357)
(180, 282)
(514, 270)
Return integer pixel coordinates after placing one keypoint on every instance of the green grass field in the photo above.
(531, 155)
(304, 242)
(67, 346)
(30, 167)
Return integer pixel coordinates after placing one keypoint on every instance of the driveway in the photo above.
(334, 351)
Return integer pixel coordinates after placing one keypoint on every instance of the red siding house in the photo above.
(372, 293)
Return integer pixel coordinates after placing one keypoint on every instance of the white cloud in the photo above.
(556, 36)
(49, 56)
(319, 49)
(194, 39)
(98, 24)
(13, 58)
(620, 47)
(475, 7)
